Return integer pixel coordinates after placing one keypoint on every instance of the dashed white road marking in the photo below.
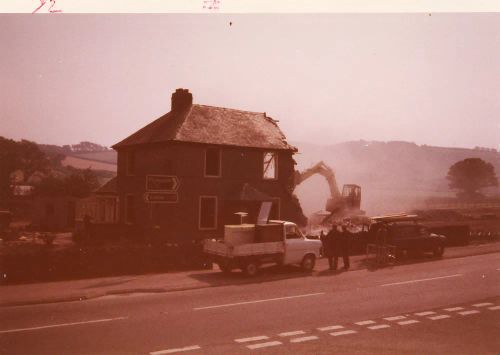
(289, 334)
(331, 327)
(259, 301)
(454, 309)
(410, 321)
(422, 280)
(483, 304)
(60, 325)
(422, 314)
(171, 351)
(379, 326)
(365, 322)
(264, 345)
(300, 340)
(466, 313)
(395, 318)
(442, 316)
(343, 332)
(256, 338)
(495, 308)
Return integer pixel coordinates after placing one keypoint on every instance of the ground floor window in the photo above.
(208, 212)
(108, 209)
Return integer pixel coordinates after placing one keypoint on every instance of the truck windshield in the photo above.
(292, 232)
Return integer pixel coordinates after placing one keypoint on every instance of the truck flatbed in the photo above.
(222, 249)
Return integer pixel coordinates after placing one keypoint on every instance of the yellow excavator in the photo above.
(339, 205)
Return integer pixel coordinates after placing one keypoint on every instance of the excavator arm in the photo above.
(322, 169)
(337, 202)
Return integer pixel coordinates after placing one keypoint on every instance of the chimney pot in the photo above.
(181, 99)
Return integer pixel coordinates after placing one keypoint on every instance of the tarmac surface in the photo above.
(432, 306)
(84, 289)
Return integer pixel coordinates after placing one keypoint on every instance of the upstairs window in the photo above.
(131, 163)
(270, 165)
(212, 162)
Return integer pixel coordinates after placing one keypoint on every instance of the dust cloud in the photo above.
(394, 176)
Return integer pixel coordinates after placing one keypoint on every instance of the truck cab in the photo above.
(297, 245)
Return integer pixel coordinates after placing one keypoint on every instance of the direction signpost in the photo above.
(161, 189)
(161, 197)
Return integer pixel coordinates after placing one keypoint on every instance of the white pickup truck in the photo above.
(277, 242)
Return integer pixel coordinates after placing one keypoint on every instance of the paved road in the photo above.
(443, 306)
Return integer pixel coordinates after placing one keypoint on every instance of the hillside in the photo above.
(108, 156)
(394, 176)
(83, 155)
(83, 163)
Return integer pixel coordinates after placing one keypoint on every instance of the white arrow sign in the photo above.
(166, 183)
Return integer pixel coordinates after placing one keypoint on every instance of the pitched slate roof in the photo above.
(110, 187)
(212, 125)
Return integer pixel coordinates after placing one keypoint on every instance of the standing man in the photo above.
(342, 246)
(336, 244)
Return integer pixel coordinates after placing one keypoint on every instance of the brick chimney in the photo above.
(181, 99)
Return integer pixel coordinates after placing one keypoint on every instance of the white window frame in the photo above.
(105, 202)
(275, 157)
(205, 163)
(216, 216)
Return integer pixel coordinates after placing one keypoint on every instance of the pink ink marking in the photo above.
(53, 2)
(211, 4)
(42, 4)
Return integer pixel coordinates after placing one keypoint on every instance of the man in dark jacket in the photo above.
(341, 247)
(327, 240)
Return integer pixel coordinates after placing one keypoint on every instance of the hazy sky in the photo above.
(327, 78)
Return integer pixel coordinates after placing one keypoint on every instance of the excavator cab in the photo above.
(351, 194)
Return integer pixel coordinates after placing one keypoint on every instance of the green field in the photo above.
(86, 163)
(104, 157)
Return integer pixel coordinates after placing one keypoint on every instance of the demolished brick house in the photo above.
(186, 174)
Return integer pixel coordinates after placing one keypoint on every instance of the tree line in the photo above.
(23, 163)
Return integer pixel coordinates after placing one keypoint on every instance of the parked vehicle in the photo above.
(394, 236)
(412, 238)
(415, 238)
(249, 246)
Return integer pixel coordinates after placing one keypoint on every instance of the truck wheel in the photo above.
(308, 263)
(251, 268)
(438, 251)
